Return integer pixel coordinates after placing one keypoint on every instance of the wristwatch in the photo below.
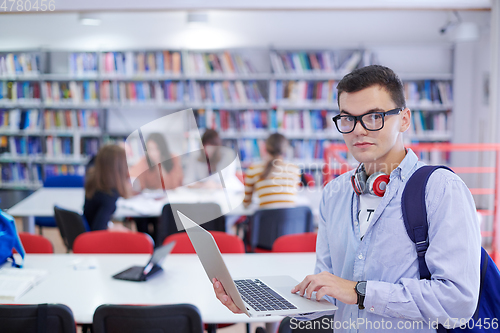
(360, 289)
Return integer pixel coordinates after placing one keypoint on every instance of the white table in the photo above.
(42, 202)
(183, 281)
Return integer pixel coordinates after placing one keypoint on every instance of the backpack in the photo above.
(487, 315)
(9, 239)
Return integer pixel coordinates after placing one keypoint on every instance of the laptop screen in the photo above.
(158, 256)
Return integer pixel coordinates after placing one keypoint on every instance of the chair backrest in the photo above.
(168, 221)
(172, 318)
(226, 243)
(305, 242)
(42, 318)
(64, 181)
(70, 224)
(268, 224)
(103, 241)
(35, 243)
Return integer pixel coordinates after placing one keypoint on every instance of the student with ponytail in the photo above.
(273, 180)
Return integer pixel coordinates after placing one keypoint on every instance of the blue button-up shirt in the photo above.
(396, 299)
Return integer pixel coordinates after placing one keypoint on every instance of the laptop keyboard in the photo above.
(260, 297)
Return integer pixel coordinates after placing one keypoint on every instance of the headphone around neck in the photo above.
(375, 184)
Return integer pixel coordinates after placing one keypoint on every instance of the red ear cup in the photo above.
(375, 184)
(379, 185)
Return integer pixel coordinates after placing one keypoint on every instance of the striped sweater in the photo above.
(278, 190)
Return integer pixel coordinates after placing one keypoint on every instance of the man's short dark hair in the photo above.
(368, 76)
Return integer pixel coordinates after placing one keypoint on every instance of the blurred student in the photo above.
(105, 181)
(213, 158)
(162, 161)
(274, 181)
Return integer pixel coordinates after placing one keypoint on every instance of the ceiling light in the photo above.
(197, 17)
(89, 19)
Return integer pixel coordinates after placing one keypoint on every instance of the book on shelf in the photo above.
(24, 146)
(35, 146)
(140, 92)
(70, 92)
(15, 282)
(141, 63)
(307, 150)
(300, 92)
(12, 64)
(353, 61)
(252, 150)
(83, 63)
(318, 62)
(428, 92)
(58, 146)
(19, 91)
(89, 146)
(220, 63)
(435, 157)
(232, 121)
(429, 121)
(288, 62)
(305, 121)
(16, 119)
(16, 173)
(19, 146)
(64, 169)
(225, 92)
(66, 120)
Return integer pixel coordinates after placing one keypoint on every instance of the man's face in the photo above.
(373, 146)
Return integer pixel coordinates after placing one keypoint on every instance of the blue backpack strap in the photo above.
(484, 268)
(415, 213)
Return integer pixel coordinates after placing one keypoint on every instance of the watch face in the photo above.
(361, 287)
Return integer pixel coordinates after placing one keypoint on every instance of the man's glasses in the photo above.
(371, 121)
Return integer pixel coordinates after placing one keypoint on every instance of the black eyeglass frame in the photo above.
(359, 118)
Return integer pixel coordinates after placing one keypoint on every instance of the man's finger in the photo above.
(301, 287)
(228, 302)
(321, 292)
(311, 288)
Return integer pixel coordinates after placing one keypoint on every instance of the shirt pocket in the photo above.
(391, 245)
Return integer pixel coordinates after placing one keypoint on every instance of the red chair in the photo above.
(104, 241)
(35, 243)
(226, 243)
(305, 242)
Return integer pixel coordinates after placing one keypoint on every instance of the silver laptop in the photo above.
(262, 296)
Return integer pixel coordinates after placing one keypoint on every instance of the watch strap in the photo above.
(361, 296)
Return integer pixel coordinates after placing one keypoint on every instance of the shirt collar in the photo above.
(406, 167)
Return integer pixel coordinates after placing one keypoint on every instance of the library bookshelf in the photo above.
(55, 105)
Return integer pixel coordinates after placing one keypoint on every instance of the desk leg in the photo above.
(29, 224)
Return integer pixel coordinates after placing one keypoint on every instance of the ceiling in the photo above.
(114, 5)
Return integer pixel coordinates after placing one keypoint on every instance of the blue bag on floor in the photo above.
(487, 315)
(9, 239)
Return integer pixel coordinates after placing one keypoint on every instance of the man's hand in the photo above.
(328, 284)
(224, 298)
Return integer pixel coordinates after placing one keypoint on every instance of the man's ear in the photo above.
(405, 120)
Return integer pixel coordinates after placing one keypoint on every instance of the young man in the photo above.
(366, 263)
